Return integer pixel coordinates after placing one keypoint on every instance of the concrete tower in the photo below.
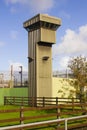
(41, 35)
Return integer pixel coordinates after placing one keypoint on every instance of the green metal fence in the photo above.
(12, 92)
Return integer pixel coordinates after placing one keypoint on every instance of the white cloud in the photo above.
(14, 34)
(34, 5)
(41, 5)
(60, 62)
(16, 66)
(73, 42)
(64, 62)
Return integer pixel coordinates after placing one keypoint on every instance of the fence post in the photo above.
(14, 100)
(58, 112)
(21, 115)
(5, 100)
(57, 106)
(43, 101)
(56, 101)
(58, 109)
(73, 104)
(22, 102)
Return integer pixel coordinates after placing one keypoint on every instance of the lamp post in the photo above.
(21, 74)
(14, 81)
(2, 79)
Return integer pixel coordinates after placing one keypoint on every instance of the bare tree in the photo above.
(78, 67)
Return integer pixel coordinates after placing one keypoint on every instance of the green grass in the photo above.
(28, 113)
(33, 113)
(8, 115)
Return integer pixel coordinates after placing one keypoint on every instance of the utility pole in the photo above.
(2, 79)
(11, 85)
(21, 74)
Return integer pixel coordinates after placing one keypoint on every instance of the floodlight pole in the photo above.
(21, 74)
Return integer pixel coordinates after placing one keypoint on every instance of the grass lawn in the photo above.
(27, 113)
(32, 113)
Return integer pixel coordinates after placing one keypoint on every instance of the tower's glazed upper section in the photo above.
(42, 20)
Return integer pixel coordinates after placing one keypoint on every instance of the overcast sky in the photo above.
(71, 37)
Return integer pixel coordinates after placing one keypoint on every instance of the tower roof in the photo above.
(42, 20)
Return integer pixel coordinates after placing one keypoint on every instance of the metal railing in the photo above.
(65, 120)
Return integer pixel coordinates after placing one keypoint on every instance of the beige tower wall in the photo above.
(44, 71)
(48, 35)
(33, 38)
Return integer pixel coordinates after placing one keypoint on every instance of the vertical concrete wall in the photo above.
(33, 38)
(44, 71)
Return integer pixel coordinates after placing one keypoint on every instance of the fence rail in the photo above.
(32, 125)
(59, 109)
(38, 101)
